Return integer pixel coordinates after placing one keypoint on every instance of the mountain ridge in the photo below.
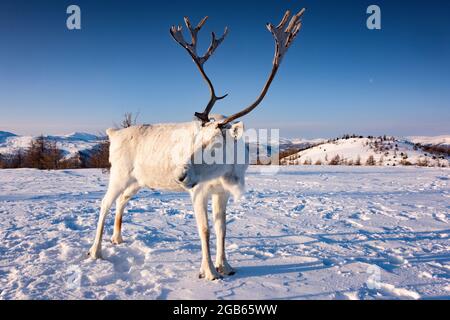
(410, 150)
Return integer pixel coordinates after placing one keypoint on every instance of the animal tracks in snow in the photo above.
(305, 233)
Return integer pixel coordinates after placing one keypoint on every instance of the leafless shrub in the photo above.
(335, 161)
(423, 162)
(370, 161)
(405, 162)
(70, 163)
(129, 120)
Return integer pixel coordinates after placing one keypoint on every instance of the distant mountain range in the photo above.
(443, 140)
(388, 151)
(71, 145)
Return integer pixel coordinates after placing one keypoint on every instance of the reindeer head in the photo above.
(208, 151)
(218, 132)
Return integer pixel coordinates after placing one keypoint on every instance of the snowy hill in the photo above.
(279, 148)
(426, 140)
(284, 144)
(81, 142)
(388, 151)
(299, 143)
(4, 135)
(69, 144)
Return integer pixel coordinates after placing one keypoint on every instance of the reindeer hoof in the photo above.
(225, 270)
(228, 273)
(213, 276)
(116, 240)
(93, 254)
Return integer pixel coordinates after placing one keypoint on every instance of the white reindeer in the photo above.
(143, 156)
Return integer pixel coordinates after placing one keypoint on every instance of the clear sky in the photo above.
(338, 77)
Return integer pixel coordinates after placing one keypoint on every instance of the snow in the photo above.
(316, 149)
(285, 143)
(274, 145)
(303, 232)
(4, 135)
(79, 136)
(386, 153)
(69, 144)
(430, 140)
(390, 290)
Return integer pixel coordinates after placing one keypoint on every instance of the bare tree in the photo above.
(42, 154)
(423, 162)
(370, 161)
(335, 161)
(3, 162)
(99, 156)
(70, 163)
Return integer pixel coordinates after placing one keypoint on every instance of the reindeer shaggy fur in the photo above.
(144, 156)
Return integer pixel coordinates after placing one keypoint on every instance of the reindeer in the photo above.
(143, 155)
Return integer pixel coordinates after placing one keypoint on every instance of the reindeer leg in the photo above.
(207, 269)
(121, 202)
(114, 190)
(219, 206)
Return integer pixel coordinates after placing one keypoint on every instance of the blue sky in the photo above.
(338, 77)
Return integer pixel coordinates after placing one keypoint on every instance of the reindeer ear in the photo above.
(237, 130)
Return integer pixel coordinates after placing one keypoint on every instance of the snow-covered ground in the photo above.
(308, 232)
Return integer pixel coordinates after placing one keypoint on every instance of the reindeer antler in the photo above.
(191, 48)
(283, 39)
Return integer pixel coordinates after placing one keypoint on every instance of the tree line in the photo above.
(43, 153)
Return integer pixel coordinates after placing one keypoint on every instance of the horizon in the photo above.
(339, 77)
(292, 139)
